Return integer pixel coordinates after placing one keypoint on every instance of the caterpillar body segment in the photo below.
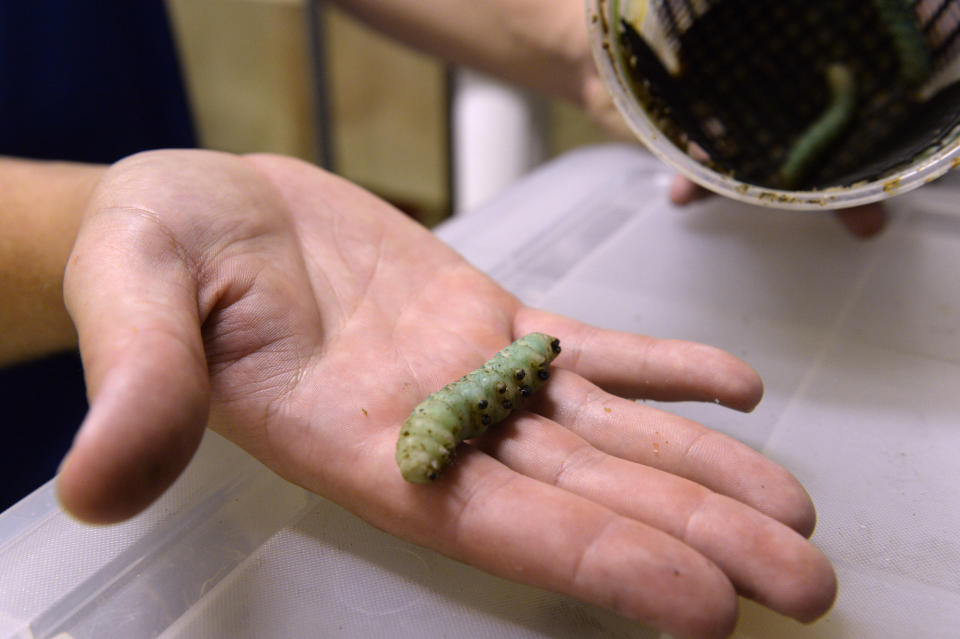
(900, 19)
(915, 67)
(467, 407)
(818, 138)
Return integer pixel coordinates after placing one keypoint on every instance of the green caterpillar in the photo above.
(915, 66)
(821, 134)
(466, 407)
(901, 21)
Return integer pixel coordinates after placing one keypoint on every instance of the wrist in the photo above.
(41, 206)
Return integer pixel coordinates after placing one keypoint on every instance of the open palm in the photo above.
(303, 318)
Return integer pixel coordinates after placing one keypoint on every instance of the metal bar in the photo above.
(318, 62)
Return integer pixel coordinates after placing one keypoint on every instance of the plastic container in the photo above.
(940, 153)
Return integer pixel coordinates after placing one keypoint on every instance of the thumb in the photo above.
(133, 298)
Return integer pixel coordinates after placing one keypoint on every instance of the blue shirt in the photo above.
(91, 81)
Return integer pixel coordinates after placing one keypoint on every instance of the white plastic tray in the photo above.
(858, 343)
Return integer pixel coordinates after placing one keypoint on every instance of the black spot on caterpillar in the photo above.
(464, 408)
(821, 134)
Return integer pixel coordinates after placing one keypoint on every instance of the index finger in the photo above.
(641, 367)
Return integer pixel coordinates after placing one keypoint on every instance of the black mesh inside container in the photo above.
(752, 80)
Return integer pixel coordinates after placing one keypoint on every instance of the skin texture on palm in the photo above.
(303, 318)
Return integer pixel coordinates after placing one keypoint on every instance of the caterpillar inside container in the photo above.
(789, 96)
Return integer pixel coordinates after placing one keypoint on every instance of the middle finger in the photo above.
(656, 438)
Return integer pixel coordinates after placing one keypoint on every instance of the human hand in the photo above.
(305, 318)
